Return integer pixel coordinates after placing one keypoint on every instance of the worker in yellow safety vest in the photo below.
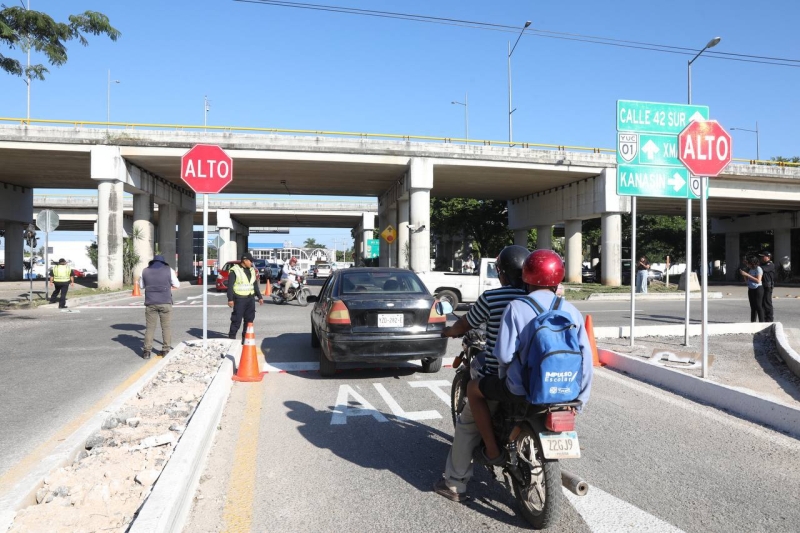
(62, 279)
(242, 288)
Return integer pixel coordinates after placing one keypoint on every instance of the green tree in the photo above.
(91, 253)
(27, 29)
(486, 221)
(345, 256)
(311, 242)
(130, 257)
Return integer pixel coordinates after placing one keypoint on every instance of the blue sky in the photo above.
(287, 68)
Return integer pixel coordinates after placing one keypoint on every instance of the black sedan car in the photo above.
(376, 315)
(264, 271)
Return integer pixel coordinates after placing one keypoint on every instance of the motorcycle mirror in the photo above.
(311, 299)
(443, 308)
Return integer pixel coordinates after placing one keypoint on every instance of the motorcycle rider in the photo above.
(542, 271)
(487, 310)
(289, 269)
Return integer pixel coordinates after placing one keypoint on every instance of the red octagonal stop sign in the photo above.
(207, 169)
(704, 147)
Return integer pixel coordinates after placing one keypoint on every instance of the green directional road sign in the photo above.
(373, 248)
(647, 149)
(664, 182)
(654, 117)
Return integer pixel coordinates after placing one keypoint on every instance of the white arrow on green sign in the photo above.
(656, 117)
(647, 149)
(663, 182)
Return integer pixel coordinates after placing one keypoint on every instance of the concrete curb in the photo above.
(168, 506)
(620, 332)
(739, 402)
(24, 491)
(651, 296)
(787, 353)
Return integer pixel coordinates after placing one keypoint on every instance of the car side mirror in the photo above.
(443, 308)
(312, 299)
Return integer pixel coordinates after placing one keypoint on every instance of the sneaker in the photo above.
(165, 351)
(231, 335)
(146, 354)
(441, 488)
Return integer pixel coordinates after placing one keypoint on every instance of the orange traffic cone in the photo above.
(268, 290)
(248, 363)
(136, 290)
(590, 332)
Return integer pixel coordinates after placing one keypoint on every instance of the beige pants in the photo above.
(162, 313)
(458, 469)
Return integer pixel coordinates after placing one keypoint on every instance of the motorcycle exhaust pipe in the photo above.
(573, 483)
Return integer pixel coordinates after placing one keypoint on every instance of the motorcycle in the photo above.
(296, 291)
(535, 437)
(785, 269)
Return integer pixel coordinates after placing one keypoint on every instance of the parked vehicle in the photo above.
(275, 268)
(264, 271)
(322, 270)
(589, 275)
(297, 291)
(222, 276)
(376, 315)
(455, 287)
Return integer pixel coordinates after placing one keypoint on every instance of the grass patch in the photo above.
(581, 291)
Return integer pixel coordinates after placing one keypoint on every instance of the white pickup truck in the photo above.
(455, 288)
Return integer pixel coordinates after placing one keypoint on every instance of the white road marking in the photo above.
(435, 387)
(272, 368)
(399, 412)
(699, 409)
(604, 513)
(343, 409)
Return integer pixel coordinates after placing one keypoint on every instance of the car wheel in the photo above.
(314, 337)
(449, 297)
(431, 366)
(327, 368)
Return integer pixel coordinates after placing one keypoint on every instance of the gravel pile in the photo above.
(111, 477)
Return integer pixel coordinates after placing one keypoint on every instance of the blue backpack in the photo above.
(553, 371)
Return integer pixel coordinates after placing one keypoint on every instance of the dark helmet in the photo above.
(543, 268)
(509, 263)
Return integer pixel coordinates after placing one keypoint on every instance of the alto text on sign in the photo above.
(705, 148)
(207, 169)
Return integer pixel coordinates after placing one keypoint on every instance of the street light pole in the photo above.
(711, 44)
(510, 111)
(206, 108)
(108, 100)
(466, 114)
(758, 156)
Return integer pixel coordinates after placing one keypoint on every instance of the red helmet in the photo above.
(292, 260)
(543, 268)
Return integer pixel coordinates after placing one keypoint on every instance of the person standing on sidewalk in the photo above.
(157, 281)
(755, 290)
(768, 280)
(242, 286)
(642, 273)
(62, 279)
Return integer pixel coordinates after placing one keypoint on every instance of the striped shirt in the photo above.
(489, 310)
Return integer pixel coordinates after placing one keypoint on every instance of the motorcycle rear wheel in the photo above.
(540, 501)
(458, 393)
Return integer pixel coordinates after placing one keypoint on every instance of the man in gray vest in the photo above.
(157, 281)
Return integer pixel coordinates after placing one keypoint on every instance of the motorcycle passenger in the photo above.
(487, 310)
(289, 269)
(542, 271)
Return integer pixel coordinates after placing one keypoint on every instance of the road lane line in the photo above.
(700, 409)
(604, 513)
(344, 408)
(435, 387)
(308, 366)
(16, 472)
(399, 412)
(238, 512)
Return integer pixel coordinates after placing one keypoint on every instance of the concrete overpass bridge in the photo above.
(543, 185)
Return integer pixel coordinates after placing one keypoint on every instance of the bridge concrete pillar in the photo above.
(574, 250)
(544, 237)
(109, 235)
(391, 220)
(383, 257)
(402, 233)
(611, 254)
(731, 255)
(521, 237)
(783, 244)
(15, 246)
(367, 227)
(167, 220)
(421, 182)
(185, 245)
(143, 230)
(225, 253)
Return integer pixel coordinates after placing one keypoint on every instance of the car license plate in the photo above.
(390, 321)
(560, 445)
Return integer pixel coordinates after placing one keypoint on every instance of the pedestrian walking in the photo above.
(642, 272)
(62, 279)
(157, 281)
(755, 289)
(242, 287)
(768, 280)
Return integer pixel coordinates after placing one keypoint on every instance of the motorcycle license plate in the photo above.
(560, 445)
(390, 321)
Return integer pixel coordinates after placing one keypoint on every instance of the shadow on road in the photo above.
(289, 348)
(765, 351)
(129, 327)
(411, 451)
(198, 333)
(135, 343)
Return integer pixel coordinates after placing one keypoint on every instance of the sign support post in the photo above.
(205, 276)
(633, 266)
(704, 267)
(688, 271)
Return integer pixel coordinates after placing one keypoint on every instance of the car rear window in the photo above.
(380, 283)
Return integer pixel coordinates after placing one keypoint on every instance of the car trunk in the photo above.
(380, 314)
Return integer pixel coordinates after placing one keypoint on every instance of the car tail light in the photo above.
(434, 317)
(339, 314)
(559, 421)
